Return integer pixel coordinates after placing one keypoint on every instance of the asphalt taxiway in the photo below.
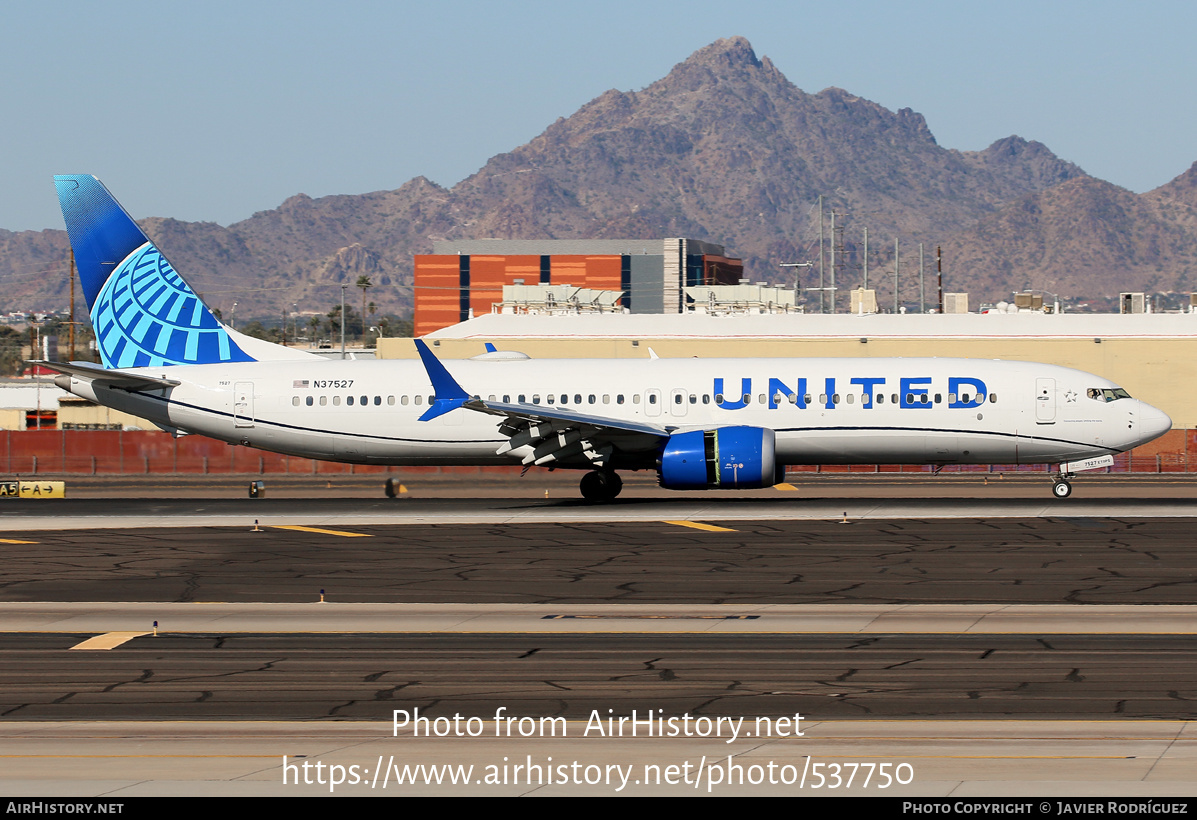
(1000, 646)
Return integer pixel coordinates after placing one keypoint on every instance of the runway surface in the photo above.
(1055, 560)
(960, 630)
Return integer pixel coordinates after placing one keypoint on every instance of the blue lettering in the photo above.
(978, 387)
(777, 386)
(739, 403)
(913, 390)
(867, 385)
(830, 387)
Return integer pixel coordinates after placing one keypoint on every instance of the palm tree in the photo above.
(364, 283)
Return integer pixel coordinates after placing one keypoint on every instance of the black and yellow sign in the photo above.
(32, 489)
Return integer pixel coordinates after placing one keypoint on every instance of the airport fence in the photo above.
(144, 452)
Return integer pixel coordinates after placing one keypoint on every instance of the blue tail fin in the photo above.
(143, 313)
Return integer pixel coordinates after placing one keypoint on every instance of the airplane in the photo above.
(698, 423)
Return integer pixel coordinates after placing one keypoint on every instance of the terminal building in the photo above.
(465, 278)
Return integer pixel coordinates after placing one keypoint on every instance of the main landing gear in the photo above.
(601, 485)
(1061, 488)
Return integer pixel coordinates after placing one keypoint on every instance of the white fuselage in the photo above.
(823, 411)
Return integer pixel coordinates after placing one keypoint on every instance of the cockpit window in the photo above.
(1107, 394)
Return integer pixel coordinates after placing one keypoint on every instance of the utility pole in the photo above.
(822, 283)
(939, 268)
(832, 280)
(922, 293)
(343, 320)
(866, 258)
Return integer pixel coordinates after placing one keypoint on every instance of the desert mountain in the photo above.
(723, 148)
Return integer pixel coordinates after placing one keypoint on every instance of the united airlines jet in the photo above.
(698, 423)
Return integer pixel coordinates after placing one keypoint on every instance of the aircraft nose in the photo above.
(1153, 422)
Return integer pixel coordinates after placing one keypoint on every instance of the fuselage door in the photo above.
(652, 402)
(243, 404)
(1045, 401)
(677, 402)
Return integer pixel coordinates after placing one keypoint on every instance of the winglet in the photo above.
(447, 393)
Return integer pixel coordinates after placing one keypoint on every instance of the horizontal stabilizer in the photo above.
(93, 372)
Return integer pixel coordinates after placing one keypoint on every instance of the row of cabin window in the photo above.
(350, 401)
(778, 398)
(850, 398)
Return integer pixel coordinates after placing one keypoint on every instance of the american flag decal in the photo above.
(300, 383)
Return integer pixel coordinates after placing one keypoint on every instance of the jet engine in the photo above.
(729, 458)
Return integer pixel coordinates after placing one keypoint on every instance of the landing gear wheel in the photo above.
(1061, 489)
(601, 485)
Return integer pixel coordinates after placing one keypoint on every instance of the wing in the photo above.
(541, 435)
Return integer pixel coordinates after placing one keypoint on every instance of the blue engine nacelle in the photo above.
(730, 458)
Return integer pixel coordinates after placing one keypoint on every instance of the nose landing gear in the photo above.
(601, 485)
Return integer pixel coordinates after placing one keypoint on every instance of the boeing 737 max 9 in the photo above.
(699, 423)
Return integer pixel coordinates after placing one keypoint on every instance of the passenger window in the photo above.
(619, 399)
(993, 398)
(677, 399)
(806, 398)
(366, 400)
(402, 400)
(718, 398)
(324, 401)
(377, 401)
(835, 398)
(693, 399)
(923, 399)
(938, 398)
(419, 400)
(635, 398)
(952, 397)
(535, 399)
(747, 398)
(963, 397)
(578, 398)
(706, 399)
(349, 400)
(390, 401)
(337, 401)
(507, 398)
(881, 398)
(849, 397)
(295, 400)
(308, 401)
(522, 399)
(652, 398)
(822, 398)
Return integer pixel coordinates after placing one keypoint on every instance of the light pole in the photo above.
(343, 320)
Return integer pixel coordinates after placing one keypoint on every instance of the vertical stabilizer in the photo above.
(143, 313)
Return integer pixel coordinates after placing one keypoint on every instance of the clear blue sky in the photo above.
(214, 110)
